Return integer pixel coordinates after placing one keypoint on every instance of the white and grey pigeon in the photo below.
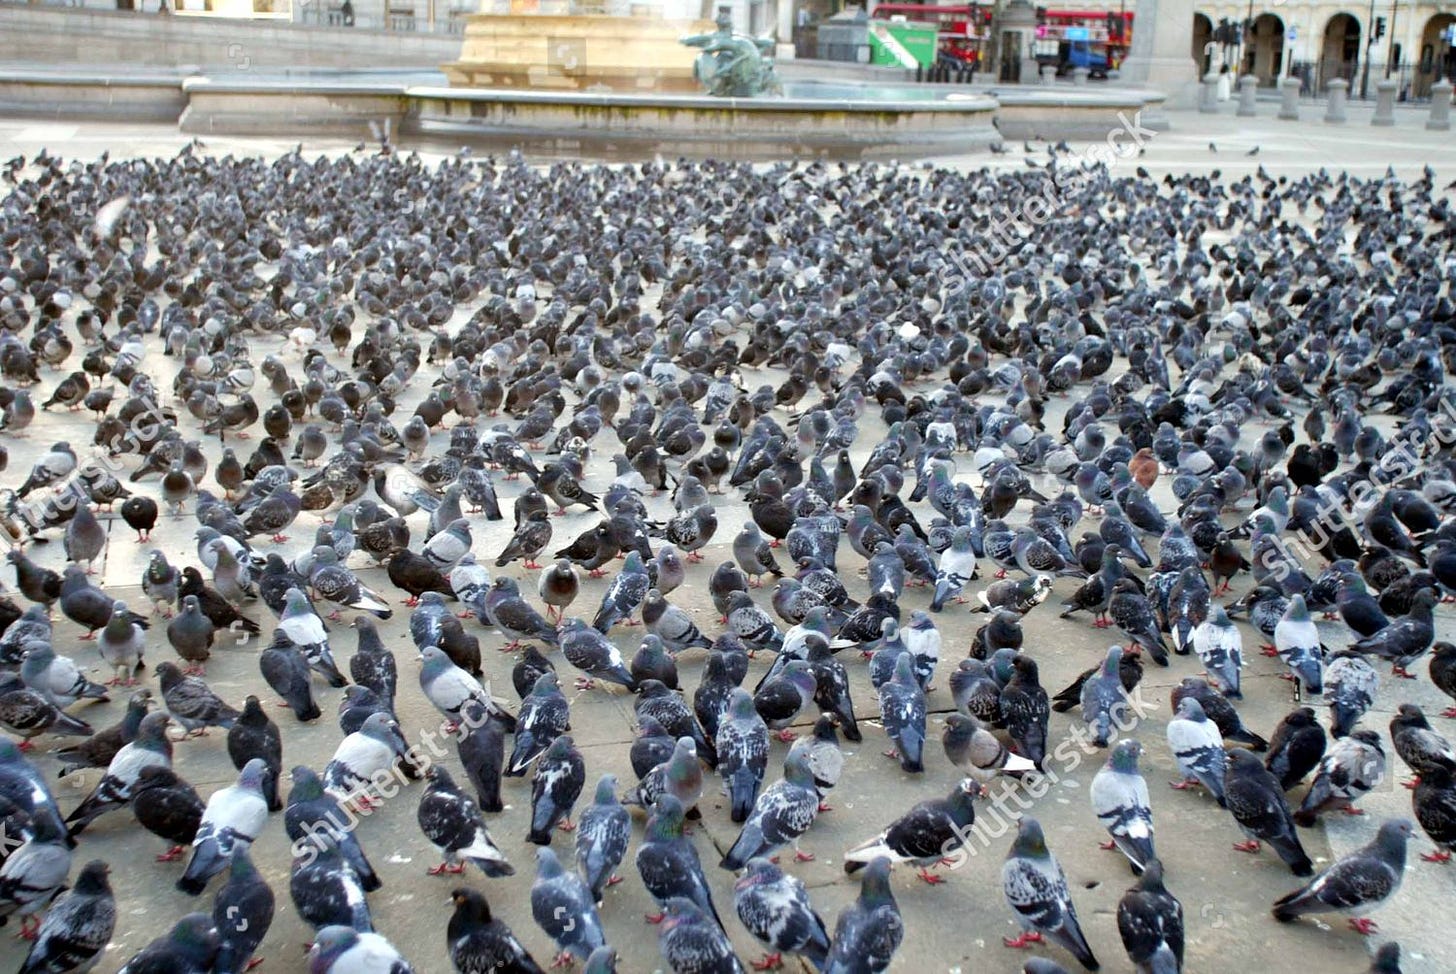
(1350, 685)
(450, 688)
(1297, 642)
(1352, 767)
(371, 750)
(957, 568)
(233, 819)
(780, 817)
(334, 583)
(445, 548)
(35, 873)
(922, 640)
(151, 746)
(1197, 748)
(977, 752)
(55, 677)
(343, 950)
(1036, 890)
(1219, 646)
(1104, 702)
(120, 643)
(1121, 802)
(469, 580)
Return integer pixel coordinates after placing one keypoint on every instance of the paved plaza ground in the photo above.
(953, 927)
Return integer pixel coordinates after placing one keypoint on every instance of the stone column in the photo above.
(1079, 77)
(1159, 57)
(1289, 92)
(1384, 103)
(1248, 96)
(1335, 110)
(1440, 120)
(1208, 93)
(1048, 74)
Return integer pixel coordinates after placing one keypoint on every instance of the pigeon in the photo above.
(624, 595)
(233, 819)
(1197, 749)
(98, 750)
(1025, 710)
(1036, 890)
(242, 914)
(1296, 747)
(591, 652)
(1104, 701)
(85, 538)
(481, 944)
(52, 467)
(190, 947)
(151, 747)
(1351, 767)
(558, 587)
(957, 568)
(930, 832)
(560, 775)
(77, 927)
(755, 555)
(362, 757)
(315, 822)
(544, 716)
(977, 752)
(1133, 615)
(505, 609)
(1016, 595)
(781, 816)
(253, 735)
(668, 862)
(1420, 747)
(444, 549)
(325, 889)
(1364, 878)
(33, 874)
(1219, 710)
(1150, 921)
(603, 831)
(1406, 639)
(191, 702)
(562, 906)
(1121, 802)
(774, 906)
(454, 826)
(1434, 804)
(168, 807)
(1297, 642)
(27, 713)
(870, 930)
(334, 583)
(1220, 648)
(1257, 803)
(781, 698)
(191, 635)
(372, 664)
(286, 671)
(691, 941)
(57, 678)
(674, 626)
(339, 949)
(902, 710)
(450, 688)
(743, 747)
(680, 774)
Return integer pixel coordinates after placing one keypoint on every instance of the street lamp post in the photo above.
(1369, 46)
(1390, 50)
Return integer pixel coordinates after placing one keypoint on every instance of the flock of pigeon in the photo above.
(342, 374)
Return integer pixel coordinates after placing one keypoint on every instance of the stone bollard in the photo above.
(1079, 77)
(1248, 95)
(1440, 120)
(1335, 110)
(1048, 74)
(1289, 93)
(1208, 94)
(1384, 103)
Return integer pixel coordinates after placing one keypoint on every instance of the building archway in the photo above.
(1340, 53)
(1264, 57)
(1437, 57)
(1202, 36)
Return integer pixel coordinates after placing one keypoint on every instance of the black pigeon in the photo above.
(254, 735)
(479, 943)
(1257, 803)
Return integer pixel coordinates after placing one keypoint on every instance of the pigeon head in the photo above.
(1030, 841)
(759, 872)
(253, 774)
(1124, 757)
(471, 904)
(307, 785)
(381, 727)
(606, 793)
(875, 886)
(666, 821)
(547, 865)
(681, 912)
(194, 937)
(93, 879)
(329, 944)
(1190, 709)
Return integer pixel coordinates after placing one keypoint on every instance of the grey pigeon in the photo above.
(1351, 768)
(1104, 702)
(1197, 748)
(668, 862)
(602, 833)
(774, 906)
(57, 678)
(33, 874)
(544, 715)
(191, 634)
(339, 949)
(191, 702)
(781, 816)
(77, 926)
(1364, 878)
(692, 940)
(591, 652)
(1121, 802)
(362, 756)
(113, 791)
(1036, 890)
(869, 931)
(1256, 800)
(902, 710)
(555, 787)
(742, 744)
(562, 906)
(85, 538)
